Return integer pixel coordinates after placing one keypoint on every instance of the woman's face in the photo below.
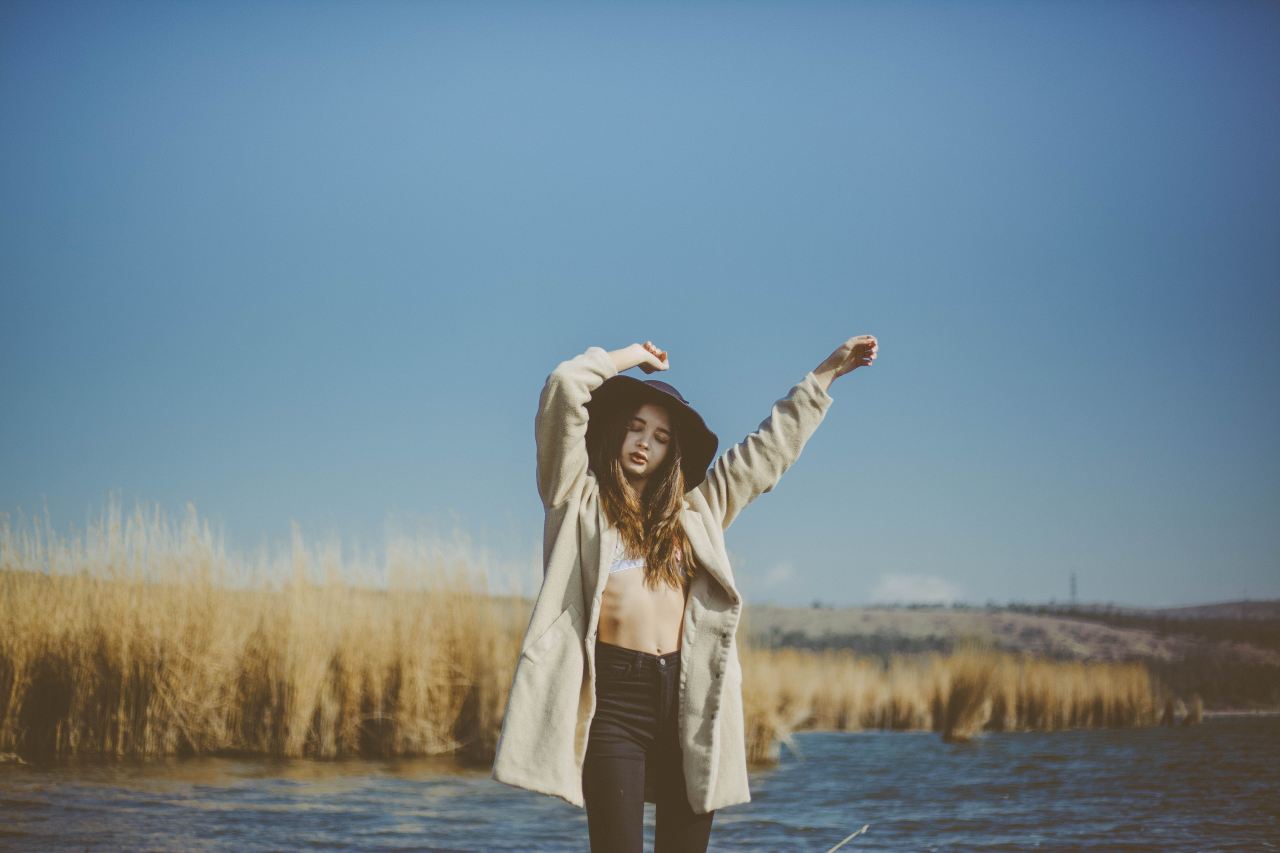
(648, 435)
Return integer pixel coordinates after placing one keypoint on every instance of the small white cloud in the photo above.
(897, 588)
(757, 579)
(780, 573)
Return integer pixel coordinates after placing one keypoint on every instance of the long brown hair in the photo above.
(649, 523)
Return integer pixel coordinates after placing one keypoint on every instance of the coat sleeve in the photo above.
(754, 465)
(560, 428)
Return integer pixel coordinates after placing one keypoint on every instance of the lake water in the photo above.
(1214, 786)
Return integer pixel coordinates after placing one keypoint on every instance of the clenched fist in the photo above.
(858, 351)
(655, 359)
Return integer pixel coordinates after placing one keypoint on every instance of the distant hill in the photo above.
(1229, 653)
(1254, 623)
(1050, 632)
(1238, 611)
(1243, 610)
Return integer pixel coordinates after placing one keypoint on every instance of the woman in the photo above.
(628, 687)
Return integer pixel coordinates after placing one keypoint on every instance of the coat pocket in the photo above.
(562, 627)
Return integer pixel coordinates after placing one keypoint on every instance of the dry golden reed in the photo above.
(138, 640)
(972, 689)
(148, 638)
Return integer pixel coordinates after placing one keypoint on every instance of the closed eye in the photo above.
(661, 436)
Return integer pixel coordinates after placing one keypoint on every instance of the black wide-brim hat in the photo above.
(697, 443)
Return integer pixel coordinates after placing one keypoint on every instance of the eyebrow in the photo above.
(643, 421)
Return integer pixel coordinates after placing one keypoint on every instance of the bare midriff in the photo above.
(636, 617)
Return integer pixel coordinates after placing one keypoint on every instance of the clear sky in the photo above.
(311, 262)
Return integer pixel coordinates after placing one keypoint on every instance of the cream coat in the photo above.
(552, 700)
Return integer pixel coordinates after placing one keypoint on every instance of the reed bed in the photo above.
(973, 689)
(137, 640)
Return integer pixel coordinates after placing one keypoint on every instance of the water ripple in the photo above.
(1207, 787)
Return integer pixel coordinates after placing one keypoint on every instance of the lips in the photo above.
(639, 457)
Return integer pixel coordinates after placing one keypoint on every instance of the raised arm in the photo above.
(755, 465)
(560, 427)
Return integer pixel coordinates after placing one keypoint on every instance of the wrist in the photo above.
(627, 357)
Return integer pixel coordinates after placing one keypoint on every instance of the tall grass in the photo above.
(137, 641)
(148, 638)
(975, 688)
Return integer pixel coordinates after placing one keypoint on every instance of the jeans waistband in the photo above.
(622, 653)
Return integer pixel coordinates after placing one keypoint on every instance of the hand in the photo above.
(858, 351)
(653, 359)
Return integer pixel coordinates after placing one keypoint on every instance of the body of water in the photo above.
(1213, 786)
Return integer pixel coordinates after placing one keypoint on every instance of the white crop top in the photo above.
(620, 564)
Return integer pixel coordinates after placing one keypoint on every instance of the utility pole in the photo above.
(1073, 589)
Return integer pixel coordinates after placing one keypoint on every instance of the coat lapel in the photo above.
(706, 553)
(594, 586)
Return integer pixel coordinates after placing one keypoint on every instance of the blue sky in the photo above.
(311, 262)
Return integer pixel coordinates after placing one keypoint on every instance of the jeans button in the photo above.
(662, 661)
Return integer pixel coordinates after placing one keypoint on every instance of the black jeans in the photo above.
(634, 756)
